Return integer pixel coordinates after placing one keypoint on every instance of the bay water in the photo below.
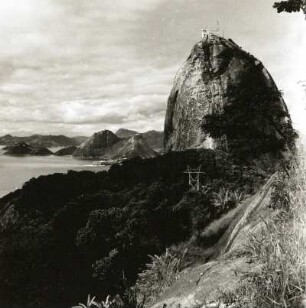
(16, 170)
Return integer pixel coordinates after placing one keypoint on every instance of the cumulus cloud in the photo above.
(73, 63)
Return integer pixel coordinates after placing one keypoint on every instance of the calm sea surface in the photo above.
(14, 171)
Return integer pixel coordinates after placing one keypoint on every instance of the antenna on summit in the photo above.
(218, 26)
(218, 29)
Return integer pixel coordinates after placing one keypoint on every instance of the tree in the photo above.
(290, 6)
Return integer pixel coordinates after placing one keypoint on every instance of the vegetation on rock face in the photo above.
(237, 123)
(86, 233)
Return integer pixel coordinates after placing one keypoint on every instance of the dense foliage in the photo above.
(290, 6)
(253, 122)
(64, 236)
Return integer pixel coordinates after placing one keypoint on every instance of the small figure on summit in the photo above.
(206, 33)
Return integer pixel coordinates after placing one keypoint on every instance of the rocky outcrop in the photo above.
(97, 145)
(224, 98)
(26, 149)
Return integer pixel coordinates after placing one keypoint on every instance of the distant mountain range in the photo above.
(104, 144)
(47, 141)
(124, 144)
(154, 139)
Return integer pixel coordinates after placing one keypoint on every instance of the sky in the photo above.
(75, 67)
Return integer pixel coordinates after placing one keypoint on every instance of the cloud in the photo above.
(74, 66)
(69, 63)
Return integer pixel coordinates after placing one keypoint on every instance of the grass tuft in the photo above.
(160, 274)
(279, 251)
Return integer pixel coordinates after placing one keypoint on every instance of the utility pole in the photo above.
(194, 177)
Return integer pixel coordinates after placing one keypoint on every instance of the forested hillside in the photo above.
(65, 236)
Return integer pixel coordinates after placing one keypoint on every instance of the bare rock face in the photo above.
(224, 98)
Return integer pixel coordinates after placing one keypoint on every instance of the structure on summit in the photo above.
(207, 33)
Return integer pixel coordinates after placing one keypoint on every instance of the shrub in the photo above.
(225, 199)
(90, 303)
(127, 300)
(159, 274)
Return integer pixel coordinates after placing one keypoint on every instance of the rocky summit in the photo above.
(224, 98)
(97, 145)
